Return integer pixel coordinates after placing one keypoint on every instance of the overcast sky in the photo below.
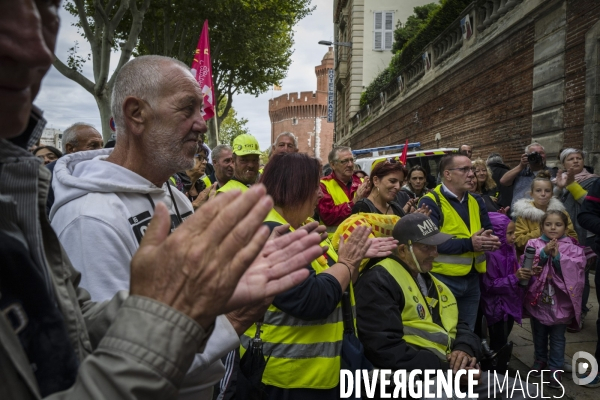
(64, 102)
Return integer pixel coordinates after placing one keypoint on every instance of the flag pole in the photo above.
(216, 130)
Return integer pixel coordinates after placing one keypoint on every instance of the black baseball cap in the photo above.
(418, 228)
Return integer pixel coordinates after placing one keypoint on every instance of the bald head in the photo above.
(144, 78)
(80, 137)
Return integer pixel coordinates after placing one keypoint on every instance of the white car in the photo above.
(428, 159)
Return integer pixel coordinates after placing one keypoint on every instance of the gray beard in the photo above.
(168, 154)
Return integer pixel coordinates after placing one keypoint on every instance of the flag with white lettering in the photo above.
(202, 70)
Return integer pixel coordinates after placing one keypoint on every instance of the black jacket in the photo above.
(506, 192)
(367, 206)
(589, 213)
(379, 305)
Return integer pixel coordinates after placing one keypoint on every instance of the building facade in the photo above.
(51, 137)
(369, 26)
(527, 70)
(305, 114)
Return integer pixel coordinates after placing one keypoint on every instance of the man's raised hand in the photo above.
(197, 268)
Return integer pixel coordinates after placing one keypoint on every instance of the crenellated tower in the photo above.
(305, 114)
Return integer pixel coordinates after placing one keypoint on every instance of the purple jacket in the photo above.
(501, 294)
(553, 297)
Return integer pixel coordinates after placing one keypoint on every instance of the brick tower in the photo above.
(305, 115)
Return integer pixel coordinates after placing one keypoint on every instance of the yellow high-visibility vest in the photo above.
(339, 197)
(206, 181)
(303, 354)
(232, 184)
(458, 264)
(419, 328)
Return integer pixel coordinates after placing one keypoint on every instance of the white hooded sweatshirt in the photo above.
(100, 214)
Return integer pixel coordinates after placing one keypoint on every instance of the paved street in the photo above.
(581, 341)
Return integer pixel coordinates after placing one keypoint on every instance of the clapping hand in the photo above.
(484, 241)
(217, 260)
(564, 179)
(360, 192)
(410, 206)
(424, 209)
(381, 247)
(551, 248)
(204, 195)
(504, 210)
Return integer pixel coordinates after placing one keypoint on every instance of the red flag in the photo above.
(404, 153)
(202, 70)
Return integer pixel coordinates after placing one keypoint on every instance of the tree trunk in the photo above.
(105, 115)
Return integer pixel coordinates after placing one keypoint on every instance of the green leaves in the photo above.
(414, 24)
(231, 126)
(251, 40)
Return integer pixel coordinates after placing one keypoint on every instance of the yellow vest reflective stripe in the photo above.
(458, 264)
(419, 328)
(339, 197)
(335, 191)
(232, 184)
(303, 354)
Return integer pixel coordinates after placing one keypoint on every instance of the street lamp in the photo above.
(329, 43)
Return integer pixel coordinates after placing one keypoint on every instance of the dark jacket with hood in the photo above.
(54, 341)
(501, 294)
(506, 192)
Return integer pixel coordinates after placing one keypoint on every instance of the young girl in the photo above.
(553, 298)
(501, 295)
(528, 213)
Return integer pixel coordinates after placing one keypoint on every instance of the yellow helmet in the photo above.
(245, 144)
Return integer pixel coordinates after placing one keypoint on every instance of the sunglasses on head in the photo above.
(390, 160)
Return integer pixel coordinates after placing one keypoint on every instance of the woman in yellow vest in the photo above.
(303, 328)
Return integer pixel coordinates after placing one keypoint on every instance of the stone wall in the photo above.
(521, 77)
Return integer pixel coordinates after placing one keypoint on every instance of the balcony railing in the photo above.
(492, 10)
(474, 20)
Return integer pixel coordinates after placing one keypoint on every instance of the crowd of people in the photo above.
(157, 267)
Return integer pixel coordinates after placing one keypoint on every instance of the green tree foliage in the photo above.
(413, 25)
(231, 126)
(439, 19)
(108, 25)
(251, 41)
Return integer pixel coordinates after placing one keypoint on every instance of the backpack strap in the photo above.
(369, 203)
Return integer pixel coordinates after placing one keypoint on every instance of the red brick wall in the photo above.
(488, 102)
(283, 110)
(304, 130)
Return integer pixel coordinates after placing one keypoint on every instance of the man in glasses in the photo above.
(463, 215)
(340, 189)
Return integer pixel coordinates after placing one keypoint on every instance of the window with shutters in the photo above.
(383, 32)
